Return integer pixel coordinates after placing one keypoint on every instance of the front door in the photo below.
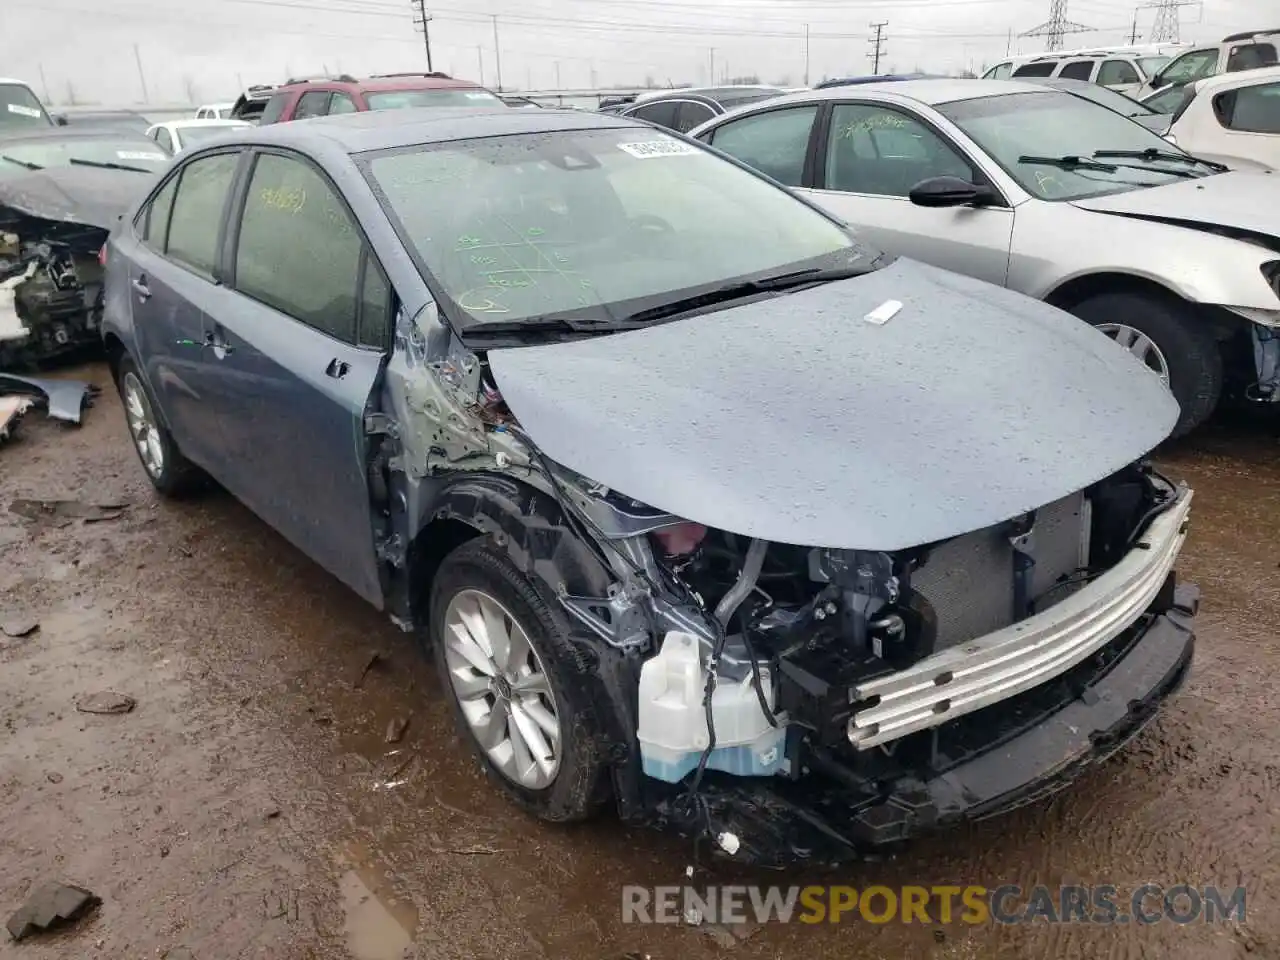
(172, 255)
(298, 358)
(873, 155)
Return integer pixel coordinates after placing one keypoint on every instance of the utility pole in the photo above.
(711, 66)
(1166, 27)
(420, 19)
(1056, 27)
(146, 97)
(45, 84)
(480, 61)
(1008, 43)
(1133, 34)
(558, 86)
(806, 54)
(497, 52)
(877, 45)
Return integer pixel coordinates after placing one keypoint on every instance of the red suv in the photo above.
(321, 96)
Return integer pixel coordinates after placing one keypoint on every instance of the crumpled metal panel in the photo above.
(64, 399)
(796, 420)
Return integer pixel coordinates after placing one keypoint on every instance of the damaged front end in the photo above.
(50, 288)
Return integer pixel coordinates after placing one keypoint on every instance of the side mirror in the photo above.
(951, 192)
(60, 119)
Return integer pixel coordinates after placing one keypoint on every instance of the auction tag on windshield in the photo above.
(648, 149)
(139, 155)
(24, 111)
(479, 95)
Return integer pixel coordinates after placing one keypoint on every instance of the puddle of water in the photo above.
(379, 925)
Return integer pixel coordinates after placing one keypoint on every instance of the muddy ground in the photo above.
(249, 806)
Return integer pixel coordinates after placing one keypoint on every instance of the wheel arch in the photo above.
(1071, 293)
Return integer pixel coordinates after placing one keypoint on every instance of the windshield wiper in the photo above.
(1071, 163)
(746, 288)
(107, 165)
(548, 324)
(22, 163)
(1154, 153)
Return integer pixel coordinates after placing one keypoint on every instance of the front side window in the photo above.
(1000, 71)
(1036, 137)
(598, 223)
(774, 142)
(165, 140)
(299, 250)
(19, 108)
(691, 114)
(1253, 109)
(274, 109)
(1077, 70)
(882, 151)
(341, 103)
(1115, 73)
(1191, 66)
(1152, 65)
(197, 211)
(435, 97)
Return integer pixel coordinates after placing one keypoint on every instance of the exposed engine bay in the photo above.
(50, 288)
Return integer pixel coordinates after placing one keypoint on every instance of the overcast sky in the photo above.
(209, 47)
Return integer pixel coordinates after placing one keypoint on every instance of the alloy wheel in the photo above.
(143, 426)
(503, 690)
(1141, 346)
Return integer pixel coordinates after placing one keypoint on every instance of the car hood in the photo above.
(1155, 122)
(798, 420)
(85, 195)
(1240, 200)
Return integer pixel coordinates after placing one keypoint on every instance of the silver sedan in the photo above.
(1054, 196)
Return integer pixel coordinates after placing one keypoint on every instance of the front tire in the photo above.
(522, 694)
(172, 474)
(1171, 340)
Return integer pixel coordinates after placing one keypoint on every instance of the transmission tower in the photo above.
(1057, 26)
(877, 45)
(1165, 29)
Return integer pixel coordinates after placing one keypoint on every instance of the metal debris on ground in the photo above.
(63, 399)
(63, 512)
(49, 906)
(375, 657)
(106, 702)
(11, 411)
(396, 729)
(19, 627)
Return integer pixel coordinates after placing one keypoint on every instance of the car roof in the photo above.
(383, 129)
(193, 122)
(1238, 78)
(20, 83)
(706, 93)
(930, 91)
(383, 84)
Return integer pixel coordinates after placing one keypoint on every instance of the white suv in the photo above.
(1122, 72)
(1240, 51)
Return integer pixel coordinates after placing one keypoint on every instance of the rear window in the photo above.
(440, 97)
(20, 108)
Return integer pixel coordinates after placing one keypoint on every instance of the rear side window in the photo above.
(1114, 73)
(155, 222)
(774, 142)
(1251, 56)
(341, 103)
(1076, 70)
(1253, 109)
(299, 250)
(691, 114)
(1035, 69)
(662, 113)
(197, 211)
(274, 109)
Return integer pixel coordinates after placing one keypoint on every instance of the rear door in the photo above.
(172, 266)
(1119, 75)
(869, 157)
(299, 343)
(1244, 122)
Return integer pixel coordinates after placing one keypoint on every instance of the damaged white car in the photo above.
(706, 509)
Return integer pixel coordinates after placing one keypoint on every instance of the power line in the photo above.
(877, 44)
(1166, 27)
(1057, 26)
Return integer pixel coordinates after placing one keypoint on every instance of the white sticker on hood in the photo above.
(648, 149)
(884, 313)
(139, 155)
(24, 111)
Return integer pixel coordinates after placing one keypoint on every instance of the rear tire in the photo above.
(172, 474)
(512, 701)
(1184, 342)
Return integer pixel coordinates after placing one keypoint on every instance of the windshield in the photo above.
(1151, 65)
(29, 154)
(1054, 124)
(194, 135)
(440, 97)
(596, 223)
(1113, 100)
(1169, 99)
(19, 108)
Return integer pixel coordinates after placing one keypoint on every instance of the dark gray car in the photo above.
(698, 502)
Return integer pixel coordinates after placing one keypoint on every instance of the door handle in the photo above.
(218, 341)
(337, 368)
(140, 285)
